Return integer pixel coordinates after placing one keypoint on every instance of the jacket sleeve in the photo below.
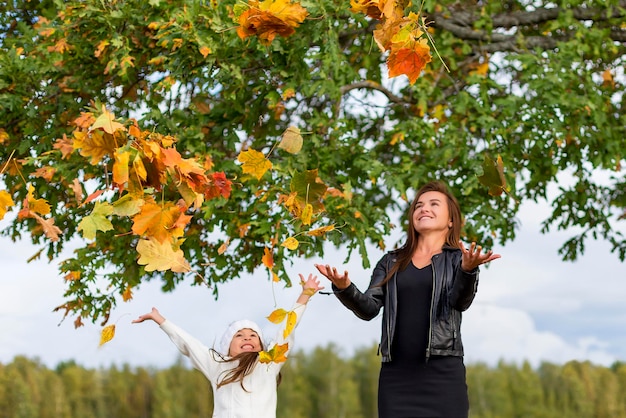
(464, 288)
(366, 305)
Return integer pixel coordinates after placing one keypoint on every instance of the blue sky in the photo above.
(530, 306)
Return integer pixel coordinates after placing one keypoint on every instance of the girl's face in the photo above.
(431, 213)
(244, 341)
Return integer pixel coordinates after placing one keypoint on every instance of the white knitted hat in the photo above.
(232, 329)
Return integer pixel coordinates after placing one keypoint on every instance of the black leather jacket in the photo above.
(453, 292)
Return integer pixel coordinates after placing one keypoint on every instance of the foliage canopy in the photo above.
(276, 143)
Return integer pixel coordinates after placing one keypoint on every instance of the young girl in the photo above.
(242, 387)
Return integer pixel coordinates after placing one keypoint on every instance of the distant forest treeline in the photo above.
(316, 384)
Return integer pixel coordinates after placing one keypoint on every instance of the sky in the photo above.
(530, 306)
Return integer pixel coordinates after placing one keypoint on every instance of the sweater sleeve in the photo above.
(201, 356)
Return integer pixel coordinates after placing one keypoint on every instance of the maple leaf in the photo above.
(309, 190)
(409, 60)
(269, 18)
(127, 294)
(290, 243)
(291, 140)
(95, 145)
(368, 7)
(106, 122)
(127, 205)
(120, 167)
(65, 145)
(254, 162)
(161, 256)
(279, 315)
(96, 221)
(33, 205)
(276, 354)
(156, 220)
(49, 228)
(107, 334)
(219, 185)
(222, 249)
(77, 188)
(493, 175)
(6, 201)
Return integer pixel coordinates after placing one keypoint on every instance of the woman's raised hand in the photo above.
(473, 257)
(341, 281)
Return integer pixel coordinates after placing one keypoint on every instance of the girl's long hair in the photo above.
(405, 253)
(246, 364)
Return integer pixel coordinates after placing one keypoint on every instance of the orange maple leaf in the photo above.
(6, 201)
(277, 354)
(269, 18)
(49, 228)
(65, 146)
(409, 60)
(156, 221)
(96, 145)
(219, 185)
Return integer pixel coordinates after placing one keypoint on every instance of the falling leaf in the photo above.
(6, 202)
(269, 18)
(291, 323)
(276, 354)
(308, 190)
(96, 221)
(107, 334)
(493, 176)
(410, 60)
(268, 258)
(254, 162)
(277, 316)
(291, 140)
(49, 228)
(127, 294)
(290, 243)
(160, 256)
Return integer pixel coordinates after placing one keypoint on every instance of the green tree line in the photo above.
(317, 384)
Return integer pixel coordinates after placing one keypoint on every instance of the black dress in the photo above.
(409, 386)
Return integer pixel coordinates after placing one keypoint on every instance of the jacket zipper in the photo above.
(430, 321)
(395, 303)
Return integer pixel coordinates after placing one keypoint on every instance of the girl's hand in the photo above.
(153, 315)
(473, 257)
(311, 285)
(341, 281)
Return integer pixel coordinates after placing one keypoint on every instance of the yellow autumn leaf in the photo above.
(268, 258)
(291, 323)
(276, 354)
(291, 140)
(106, 122)
(254, 162)
(277, 316)
(223, 247)
(307, 213)
(160, 256)
(107, 334)
(6, 201)
(321, 231)
(290, 243)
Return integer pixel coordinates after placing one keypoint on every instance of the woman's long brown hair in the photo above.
(405, 253)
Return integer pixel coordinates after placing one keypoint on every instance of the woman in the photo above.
(422, 287)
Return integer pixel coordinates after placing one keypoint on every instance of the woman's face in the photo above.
(244, 341)
(431, 213)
